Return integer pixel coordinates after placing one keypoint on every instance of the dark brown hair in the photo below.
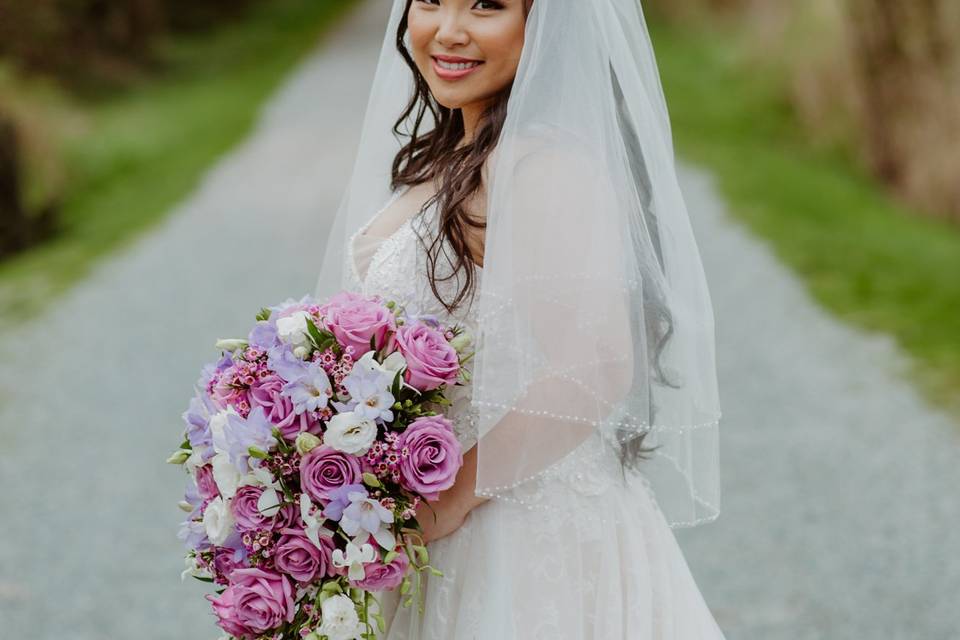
(458, 171)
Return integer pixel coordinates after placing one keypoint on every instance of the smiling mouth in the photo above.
(456, 66)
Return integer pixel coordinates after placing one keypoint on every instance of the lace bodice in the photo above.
(396, 268)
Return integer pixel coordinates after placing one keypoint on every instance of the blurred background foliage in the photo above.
(833, 128)
(110, 111)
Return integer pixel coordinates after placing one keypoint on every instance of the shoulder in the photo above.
(551, 154)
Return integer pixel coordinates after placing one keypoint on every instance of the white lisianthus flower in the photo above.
(218, 423)
(293, 328)
(218, 521)
(349, 433)
(340, 619)
(225, 474)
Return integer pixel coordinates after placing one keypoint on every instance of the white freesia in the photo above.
(391, 365)
(193, 461)
(349, 433)
(218, 521)
(292, 329)
(340, 619)
(193, 569)
(225, 475)
(269, 501)
(313, 521)
(355, 557)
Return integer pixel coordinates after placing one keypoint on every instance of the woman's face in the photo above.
(467, 50)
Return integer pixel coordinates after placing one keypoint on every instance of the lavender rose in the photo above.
(256, 601)
(355, 319)
(279, 409)
(296, 555)
(431, 361)
(324, 469)
(383, 577)
(433, 456)
(248, 516)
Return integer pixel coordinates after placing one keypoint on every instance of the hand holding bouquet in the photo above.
(309, 447)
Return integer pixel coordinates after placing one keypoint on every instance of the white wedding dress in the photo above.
(600, 564)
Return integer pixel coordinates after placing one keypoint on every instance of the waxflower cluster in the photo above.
(309, 446)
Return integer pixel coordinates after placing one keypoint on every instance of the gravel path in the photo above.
(836, 521)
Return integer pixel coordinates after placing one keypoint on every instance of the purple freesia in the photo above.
(263, 335)
(311, 391)
(367, 515)
(239, 434)
(193, 535)
(340, 498)
(280, 358)
(197, 418)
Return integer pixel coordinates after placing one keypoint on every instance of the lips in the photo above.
(454, 67)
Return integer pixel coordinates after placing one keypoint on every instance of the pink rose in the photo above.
(279, 409)
(248, 516)
(224, 564)
(355, 319)
(383, 577)
(296, 555)
(431, 361)
(256, 602)
(430, 456)
(324, 469)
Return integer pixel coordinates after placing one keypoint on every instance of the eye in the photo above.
(493, 5)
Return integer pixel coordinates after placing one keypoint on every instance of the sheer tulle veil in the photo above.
(594, 317)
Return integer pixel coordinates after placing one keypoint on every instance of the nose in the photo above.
(450, 31)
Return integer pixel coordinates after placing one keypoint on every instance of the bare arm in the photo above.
(454, 504)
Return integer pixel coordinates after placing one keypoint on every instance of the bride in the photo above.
(515, 175)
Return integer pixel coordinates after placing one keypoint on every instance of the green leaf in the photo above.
(257, 452)
(203, 579)
(264, 314)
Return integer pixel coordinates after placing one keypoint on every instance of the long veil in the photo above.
(594, 313)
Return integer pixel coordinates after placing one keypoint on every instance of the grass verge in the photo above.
(871, 261)
(135, 154)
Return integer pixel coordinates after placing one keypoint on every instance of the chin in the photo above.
(452, 101)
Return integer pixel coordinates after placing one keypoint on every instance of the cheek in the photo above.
(420, 36)
(504, 46)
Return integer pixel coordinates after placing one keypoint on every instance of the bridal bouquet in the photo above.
(309, 446)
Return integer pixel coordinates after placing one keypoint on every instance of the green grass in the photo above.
(871, 261)
(142, 150)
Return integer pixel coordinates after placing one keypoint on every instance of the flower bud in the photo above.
(461, 341)
(231, 344)
(305, 442)
(179, 456)
(301, 352)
